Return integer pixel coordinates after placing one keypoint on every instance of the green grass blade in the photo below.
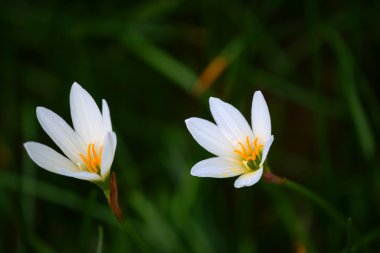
(348, 83)
(160, 60)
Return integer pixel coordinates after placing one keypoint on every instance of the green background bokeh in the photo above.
(316, 63)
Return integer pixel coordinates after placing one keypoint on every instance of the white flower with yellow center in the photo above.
(89, 150)
(240, 149)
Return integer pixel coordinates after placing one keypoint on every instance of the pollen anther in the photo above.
(93, 161)
(252, 152)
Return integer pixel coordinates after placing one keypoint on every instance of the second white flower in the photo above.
(240, 150)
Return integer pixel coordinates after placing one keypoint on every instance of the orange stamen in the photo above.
(85, 160)
(239, 153)
(93, 161)
(257, 146)
(249, 146)
(243, 148)
(93, 151)
(253, 150)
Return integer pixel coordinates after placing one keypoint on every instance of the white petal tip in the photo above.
(248, 179)
(197, 172)
(194, 172)
(189, 121)
(269, 141)
(213, 100)
(241, 185)
(76, 86)
(259, 99)
(26, 144)
(40, 109)
(261, 123)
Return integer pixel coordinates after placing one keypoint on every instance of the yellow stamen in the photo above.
(93, 150)
(253, 149)
(93, 161)
(249, 146)
(85, 160)
(239, 153)
(257, 146)
(244, 151)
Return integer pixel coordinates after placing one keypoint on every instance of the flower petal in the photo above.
(261, 124)
(230, 121)
(107, 125)
(266, 149)
(61, 133)
(114, 141)
(52, 161)
(87, 119)
(108, 153)
(248, 179)
(84, 175)
(209, 136)
(218, 167)
(49, 159)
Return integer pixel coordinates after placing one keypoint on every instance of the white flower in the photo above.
(89, 150)
(239, 150)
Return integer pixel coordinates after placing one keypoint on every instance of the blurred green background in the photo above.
(157, 63)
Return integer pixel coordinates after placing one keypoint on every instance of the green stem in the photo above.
(111, 193)
(330, 210)
(99, 248)
(319, 201)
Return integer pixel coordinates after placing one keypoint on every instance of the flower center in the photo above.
(93, 161)
(249, 153)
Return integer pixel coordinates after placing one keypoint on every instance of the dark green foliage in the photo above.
(316, 62)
